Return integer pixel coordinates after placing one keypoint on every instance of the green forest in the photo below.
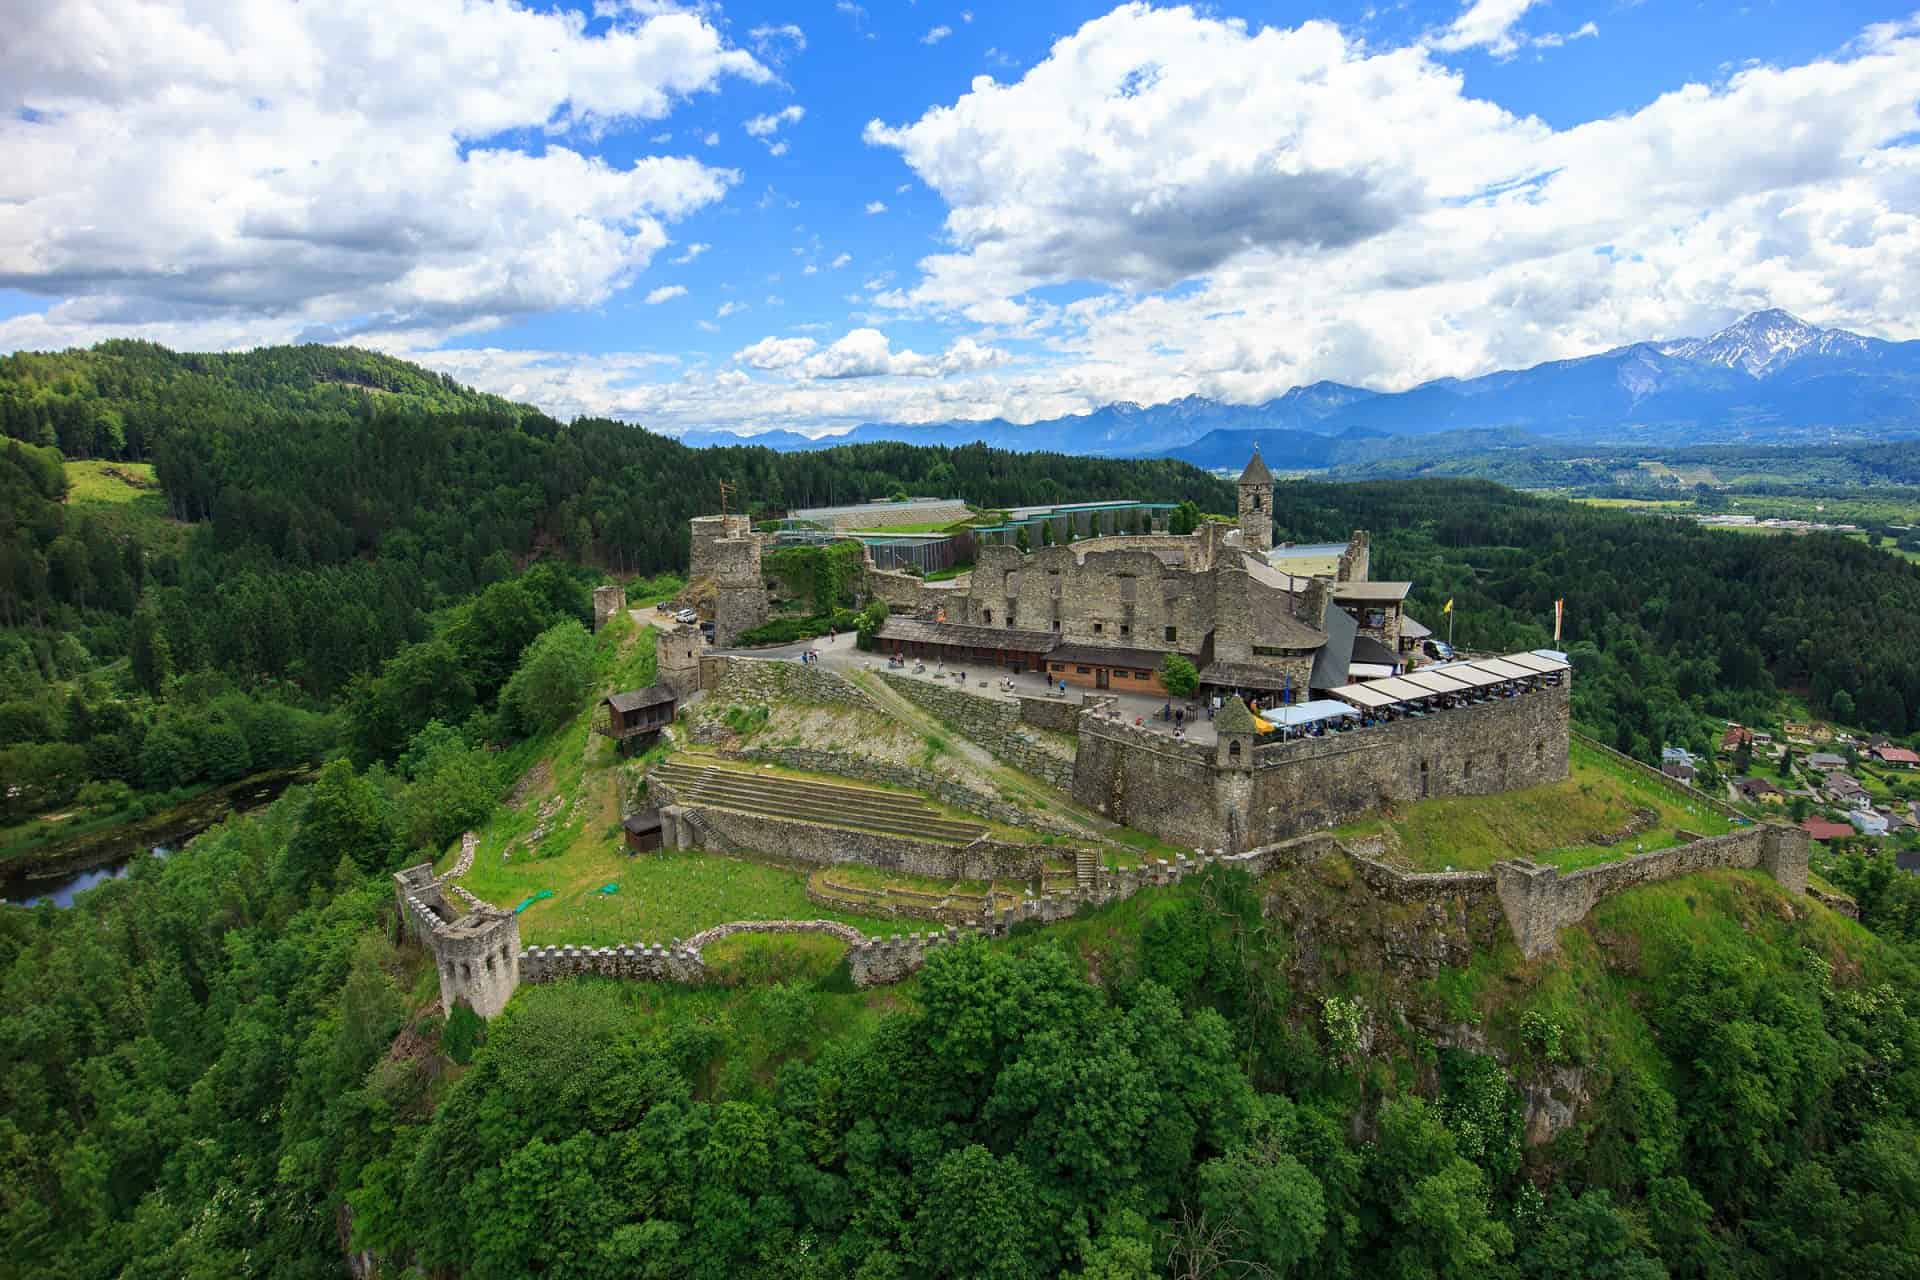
(223, 1065)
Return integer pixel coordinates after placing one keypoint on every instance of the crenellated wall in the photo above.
(476, 948)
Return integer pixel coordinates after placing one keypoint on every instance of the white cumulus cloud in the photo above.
(936, 35)
(285, 170)
(876, 206)
(866, 353)
(665, 293)
(775, 353)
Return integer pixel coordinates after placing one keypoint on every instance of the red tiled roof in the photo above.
(1821, 829)
(1897, 755)
(1734, 736)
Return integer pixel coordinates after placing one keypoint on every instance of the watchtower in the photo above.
(1256, 505)
(608, 602)
(677, 658)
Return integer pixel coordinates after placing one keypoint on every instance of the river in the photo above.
(61, 890)
(56, 875)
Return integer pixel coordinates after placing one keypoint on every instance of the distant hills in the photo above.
(1770, 377)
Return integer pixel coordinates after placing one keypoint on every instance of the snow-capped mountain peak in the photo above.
(1761, 343)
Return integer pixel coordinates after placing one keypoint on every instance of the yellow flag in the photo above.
(1448, 607)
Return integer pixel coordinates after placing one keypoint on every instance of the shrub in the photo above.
(465, 1031)
(1179, 676)
(552, 679)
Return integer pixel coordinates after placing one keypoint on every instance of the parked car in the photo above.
(686, 615)
(1439, 650)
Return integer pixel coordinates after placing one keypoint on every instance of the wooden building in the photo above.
(641, 830)
(636, 717)
(1092, 666)
(959, 644)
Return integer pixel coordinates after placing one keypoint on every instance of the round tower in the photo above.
(1256, 505)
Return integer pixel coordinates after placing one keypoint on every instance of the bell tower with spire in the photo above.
(1256, 505)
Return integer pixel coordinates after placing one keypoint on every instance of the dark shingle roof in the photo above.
(636, 699)
(1234, 718)
(642, 821)
(1110, 655)
(1256, 472)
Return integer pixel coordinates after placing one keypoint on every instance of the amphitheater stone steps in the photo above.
(859, 808)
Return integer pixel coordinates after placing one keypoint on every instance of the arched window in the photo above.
(1256, 502)
(1233, 750)
(466, 970)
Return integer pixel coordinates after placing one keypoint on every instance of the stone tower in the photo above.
(608, 603)
(1256, 505)
(677, 659)
(1233, 771)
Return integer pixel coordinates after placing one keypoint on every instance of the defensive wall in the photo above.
(1445, 912)
(728, 830)
(729, 678)
(1191, 794)
(998, 724)
(476, 948)
(727, 551)
(608, 603)
(1540, 901)
(867, 769)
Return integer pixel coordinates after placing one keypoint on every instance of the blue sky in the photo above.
(756, 216)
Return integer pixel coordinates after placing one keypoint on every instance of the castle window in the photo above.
(1539, 748)
(986, 615)
(1056, 627)
(1010, 612)
(1468, 771)
(1125, 630)
(1173, 633)
(1424, 789)
(1099, 627)
(489, 964)
(1256, 501)
(1233, 749)
(466, 970)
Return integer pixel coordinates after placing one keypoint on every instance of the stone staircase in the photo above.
(809, 800)
(1085, 863)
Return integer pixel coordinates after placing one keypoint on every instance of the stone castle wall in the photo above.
(1540, 901)
(1175, 791)
(731, 830)
(871, 961)
(993, 723)
(608, 603)
(904, 593)
(476, 948)
(724, 547)
(730, 678)
(1131, 594)
(925, 781)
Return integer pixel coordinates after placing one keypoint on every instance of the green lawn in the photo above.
(126, 497)
(662, 896)
(1552, 824)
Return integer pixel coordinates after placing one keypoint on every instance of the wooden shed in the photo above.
(637, 716)
(642, 831)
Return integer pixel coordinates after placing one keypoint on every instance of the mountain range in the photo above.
(1770, 377)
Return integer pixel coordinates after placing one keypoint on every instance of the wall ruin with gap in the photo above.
(993, 723)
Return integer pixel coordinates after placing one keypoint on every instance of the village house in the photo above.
(1758, 791)
(1825, 830)
(1826, 761)
(1678, 763)
(1899, 757)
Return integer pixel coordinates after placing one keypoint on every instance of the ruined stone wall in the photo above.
(723, 547)
(608, 603)
(736, 611)
(731, 830)
(1540, 901)
(733, 679)
(1050, 711)
(677, 652)
(476, 948)
(867, 769)
(993, 723)
(904, 593)
(1130, 594)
